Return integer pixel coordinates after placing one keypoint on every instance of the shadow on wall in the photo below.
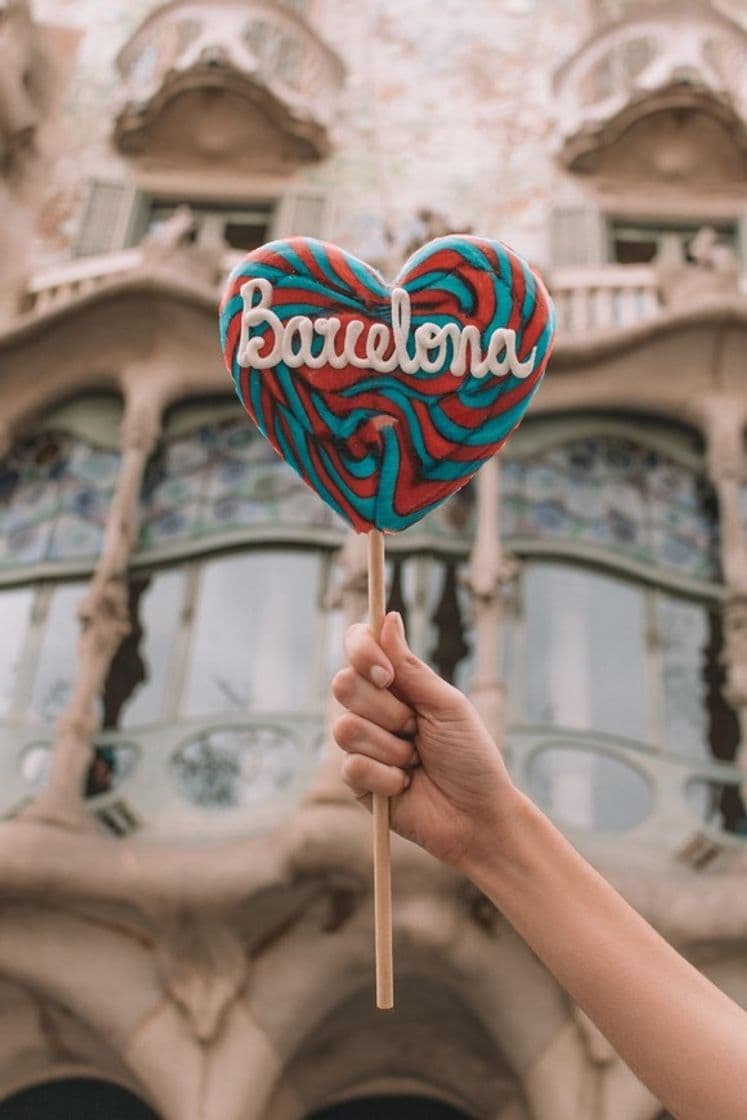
(82, 1098)
(393, 1108)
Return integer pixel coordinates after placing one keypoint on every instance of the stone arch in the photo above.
(435, 1053)
(87, 1098)
(410, 1107)
(43, 1043)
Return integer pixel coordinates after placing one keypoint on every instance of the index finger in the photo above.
(367, 657)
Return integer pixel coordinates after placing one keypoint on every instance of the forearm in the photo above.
(682, 1036)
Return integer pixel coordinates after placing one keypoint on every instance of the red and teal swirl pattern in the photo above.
(384, 448)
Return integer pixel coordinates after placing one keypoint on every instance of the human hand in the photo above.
(414, 738)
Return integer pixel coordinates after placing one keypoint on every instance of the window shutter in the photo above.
(741, 245)
(107, 224)
(303, 213)
(578, 237)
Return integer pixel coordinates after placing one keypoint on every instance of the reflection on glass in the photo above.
(585, 651)
(109, 765)
(234, 766)
(15, 615)
(718, 804)
(253, 636)
(433, 600)
(135, 691)
(588, 790)
(683, 633)
(55, 673)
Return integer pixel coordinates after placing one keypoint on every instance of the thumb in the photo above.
(414, 681)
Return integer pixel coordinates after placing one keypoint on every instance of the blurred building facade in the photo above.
(186, 922)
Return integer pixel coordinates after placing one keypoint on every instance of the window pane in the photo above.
(585, 651)
(253, 642)
(135, 691)
(56, 669)
(15, 615)
(588, 790)
(683, 633)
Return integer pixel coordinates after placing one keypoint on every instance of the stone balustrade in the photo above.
(610, 297)
(240, 774)
(58, 286)
(606, 298)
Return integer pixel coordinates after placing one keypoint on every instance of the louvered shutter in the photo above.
(114, 218)
(578, 237)
(302, 213)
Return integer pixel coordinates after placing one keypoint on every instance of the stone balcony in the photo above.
(607, 298)
(242, 774)
(209, 65)
(661, 56)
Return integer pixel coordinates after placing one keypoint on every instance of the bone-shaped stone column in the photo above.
(725, 420)
(103, 616)
(490, 569)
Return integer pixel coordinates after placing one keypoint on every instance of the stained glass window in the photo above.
(55, 490)
(219, 478)
(619, 496)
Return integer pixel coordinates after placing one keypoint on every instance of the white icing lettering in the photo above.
(292, 341)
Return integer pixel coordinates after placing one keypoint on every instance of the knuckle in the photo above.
(344, 730)
(355, 770)
(410, 661)
(343, 685)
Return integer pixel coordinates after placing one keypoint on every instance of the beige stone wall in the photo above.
(233, 980)
(446, 108)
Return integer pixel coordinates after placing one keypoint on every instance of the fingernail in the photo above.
(399, 624)
(410, 727)
(380, 676)
(407, 780)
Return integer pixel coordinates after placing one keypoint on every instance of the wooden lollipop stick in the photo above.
(381, 835)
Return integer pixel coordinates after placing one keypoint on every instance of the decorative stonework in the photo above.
(235, 83)
(666, 83)
(24, 90)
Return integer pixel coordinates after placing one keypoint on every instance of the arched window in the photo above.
(219, 689)
(56, 486)
(79, 1098)
(614, 625)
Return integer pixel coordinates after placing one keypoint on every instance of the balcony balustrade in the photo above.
(611, 297)
(241, 774)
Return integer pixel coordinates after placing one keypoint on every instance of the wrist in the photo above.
(495, 852)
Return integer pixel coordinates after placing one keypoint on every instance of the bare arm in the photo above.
(680, 1034)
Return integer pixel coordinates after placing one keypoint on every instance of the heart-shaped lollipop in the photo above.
(386, 400)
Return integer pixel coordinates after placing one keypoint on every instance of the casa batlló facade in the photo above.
(186, 916)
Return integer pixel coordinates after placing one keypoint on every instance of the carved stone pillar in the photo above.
(104, 621)
(725, 450)
(489, 570)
